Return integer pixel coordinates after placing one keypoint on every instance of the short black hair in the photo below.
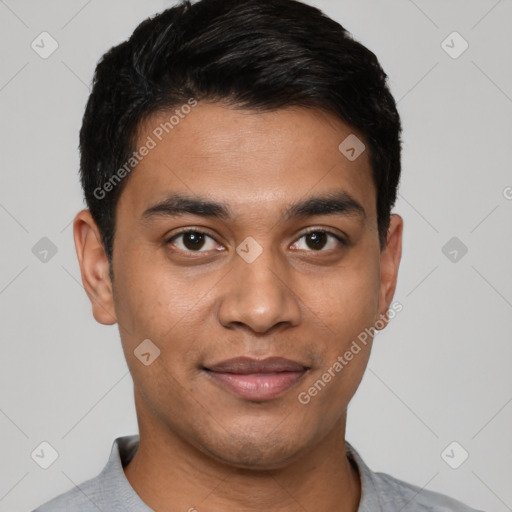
(259, 55)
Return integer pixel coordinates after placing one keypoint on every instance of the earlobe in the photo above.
(94, 267)
(389, 265)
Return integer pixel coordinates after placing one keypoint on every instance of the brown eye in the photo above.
(192, 241)
(319, 240)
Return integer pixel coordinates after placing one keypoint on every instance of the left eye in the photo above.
(318, 239)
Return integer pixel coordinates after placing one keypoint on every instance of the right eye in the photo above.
(192, 241)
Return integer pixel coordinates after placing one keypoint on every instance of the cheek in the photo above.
(347, 301)
(156, 304)
(345, 309)
(149, 298)
(152, 308)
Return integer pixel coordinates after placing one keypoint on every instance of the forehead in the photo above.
(246, 159)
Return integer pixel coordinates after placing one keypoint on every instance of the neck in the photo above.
(171, 475)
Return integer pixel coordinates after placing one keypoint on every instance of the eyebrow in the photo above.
(332, 203)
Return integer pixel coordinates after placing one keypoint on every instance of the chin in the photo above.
(255, 450)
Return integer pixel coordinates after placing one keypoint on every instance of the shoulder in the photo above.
(109, 490)
(83, 497)
(385, 493)
(394, 492)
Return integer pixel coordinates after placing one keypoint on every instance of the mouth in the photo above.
(257, 379)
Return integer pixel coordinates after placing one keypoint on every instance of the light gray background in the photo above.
(439, 373)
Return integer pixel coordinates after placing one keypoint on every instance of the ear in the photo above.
(94, 267)
(389, 263)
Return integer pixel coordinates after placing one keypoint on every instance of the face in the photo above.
(280, 259)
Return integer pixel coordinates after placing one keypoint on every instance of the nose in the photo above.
(259, 295)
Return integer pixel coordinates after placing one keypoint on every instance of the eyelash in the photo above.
(185, 231)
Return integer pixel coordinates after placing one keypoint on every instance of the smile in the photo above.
(258, 380)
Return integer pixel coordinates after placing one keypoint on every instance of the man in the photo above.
(240, 160)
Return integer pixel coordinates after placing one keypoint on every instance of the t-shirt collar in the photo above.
(124, 448)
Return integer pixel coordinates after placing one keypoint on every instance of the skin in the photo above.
(200, 445)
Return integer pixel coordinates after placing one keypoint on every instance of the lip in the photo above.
(257, 379)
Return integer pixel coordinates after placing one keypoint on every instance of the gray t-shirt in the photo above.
(110, 491)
